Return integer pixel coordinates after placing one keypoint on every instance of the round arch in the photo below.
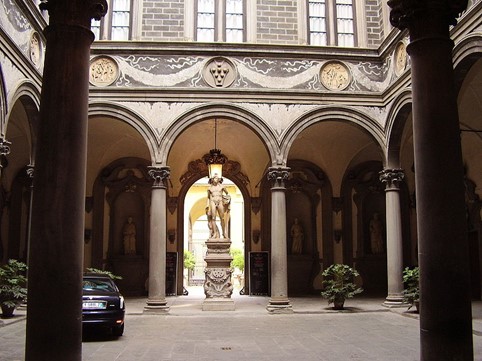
(28, 95)
(130, 117)
(227, 111)
(326, 113)
(3, 104)
(238, 180)
(398, 114)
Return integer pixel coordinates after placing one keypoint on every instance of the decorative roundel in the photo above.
(400, 58)
(219, 72)
(36, 49)
(103, 71)
(335, 75)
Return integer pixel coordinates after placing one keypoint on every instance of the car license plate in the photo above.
(93, 304)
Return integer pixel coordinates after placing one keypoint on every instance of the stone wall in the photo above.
(374, 22)
(163, 20)
(277, 21)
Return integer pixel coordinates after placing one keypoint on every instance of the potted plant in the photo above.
(338, 284)
(13, 286)
(411, 293)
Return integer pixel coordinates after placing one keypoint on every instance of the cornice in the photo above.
(468, 22)
(227, 49)
(261, 96)
(33, 13)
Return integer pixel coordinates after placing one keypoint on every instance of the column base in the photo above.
(394, 301)
(156, 306)
(279, 305)
(218, 304)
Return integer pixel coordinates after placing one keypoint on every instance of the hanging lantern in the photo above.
(215, 159)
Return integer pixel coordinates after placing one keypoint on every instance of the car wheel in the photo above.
(118, 331)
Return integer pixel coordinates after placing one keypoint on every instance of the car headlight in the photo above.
(121, 302)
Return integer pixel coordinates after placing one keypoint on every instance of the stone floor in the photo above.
(365, 331)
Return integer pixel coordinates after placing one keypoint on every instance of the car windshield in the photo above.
(98, 285)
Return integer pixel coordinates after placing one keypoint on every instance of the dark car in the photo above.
(102, 303)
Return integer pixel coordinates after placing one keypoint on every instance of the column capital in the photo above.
(159, 174)
(278, 175)
(4, 147)
(392, 177)
(30, 170)
(4, 151)
(74, 12)
(404, 12)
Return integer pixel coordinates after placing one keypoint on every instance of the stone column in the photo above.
(445, 300)
(392, 179)
(4, 151)
(156, 301)
(279, 302)
(30, 173)
(54, 328)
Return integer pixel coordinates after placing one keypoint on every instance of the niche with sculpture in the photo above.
(123, 216)
(303, 189)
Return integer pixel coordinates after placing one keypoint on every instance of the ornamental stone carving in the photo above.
(400, 58)
(335, 75)
(278, 175)
(218, 283)
(219, 72)
(74, 12)
(103, 71)
(405, 11)
(35, 48)
(392, 177)
(159, 174)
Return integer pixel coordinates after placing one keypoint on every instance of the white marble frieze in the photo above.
(159, 114)
(278, 116)
(251, 73)
(15, 24)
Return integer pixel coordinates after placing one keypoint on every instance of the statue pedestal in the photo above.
(218, 286)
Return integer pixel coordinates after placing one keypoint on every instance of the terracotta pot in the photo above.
(7, 311)
(338, 303)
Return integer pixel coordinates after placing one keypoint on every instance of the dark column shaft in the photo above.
(445, 305)
(54, 330)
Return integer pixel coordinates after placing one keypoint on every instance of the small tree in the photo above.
(13, 283)
(238, 259)
(339, 284)
(189, 260)
(411, 293)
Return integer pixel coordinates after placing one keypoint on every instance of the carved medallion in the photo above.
(219, 72)
(335, 75)
(400, 58)
(103, 71)
(35, 49)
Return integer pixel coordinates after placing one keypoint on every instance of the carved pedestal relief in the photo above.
(218, 286)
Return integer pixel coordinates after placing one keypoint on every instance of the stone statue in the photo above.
(129, 234)
(376, 234)
(218, 204)
(297, 236)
